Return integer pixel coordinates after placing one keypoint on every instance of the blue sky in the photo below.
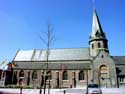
(22, 20)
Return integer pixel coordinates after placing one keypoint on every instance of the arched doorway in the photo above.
(104, 76)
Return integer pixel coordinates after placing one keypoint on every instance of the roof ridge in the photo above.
(57, 49)
(118, 56)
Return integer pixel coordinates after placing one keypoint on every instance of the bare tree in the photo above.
(47, 40)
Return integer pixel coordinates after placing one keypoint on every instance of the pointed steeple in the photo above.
(98, 39)
(96, 26)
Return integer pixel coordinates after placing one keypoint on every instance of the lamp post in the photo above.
(87, 80)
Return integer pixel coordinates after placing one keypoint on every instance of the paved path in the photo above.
(3, 92)
(61, 91)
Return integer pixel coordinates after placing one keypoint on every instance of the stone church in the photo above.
(72, 67)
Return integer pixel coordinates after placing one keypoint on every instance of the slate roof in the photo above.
(122, 69)
(54, 65)
(73, 58)
(119, 60)
(55, 54)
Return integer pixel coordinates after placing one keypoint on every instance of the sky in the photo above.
(22, 21)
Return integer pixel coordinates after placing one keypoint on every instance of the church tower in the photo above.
(98, 39)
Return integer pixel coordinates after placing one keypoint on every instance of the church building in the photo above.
(72, 67)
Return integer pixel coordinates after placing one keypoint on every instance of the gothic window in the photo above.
(99, 45)
(34, 75)
(81, 75)
(65, 75)
(21, 73)
(92, 46)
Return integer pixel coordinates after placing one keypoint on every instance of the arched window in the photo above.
(65, 75)
(92, 46)
(21, 73)
(99, 45)
(34, 75)
(49, 75)
(104, 71)
(81, 75)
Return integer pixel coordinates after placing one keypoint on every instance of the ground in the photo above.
(61, 91)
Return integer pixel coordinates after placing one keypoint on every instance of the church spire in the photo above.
(96, 26)
(98, 39)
